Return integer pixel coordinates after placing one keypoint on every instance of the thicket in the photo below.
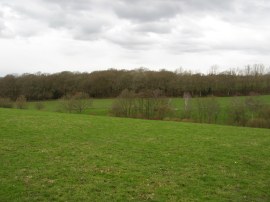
(6, 103)
(248, 111)
(208, 110)
(78, 102)
(110, 83)
(21, 102)
(146, 104)
(39, 106)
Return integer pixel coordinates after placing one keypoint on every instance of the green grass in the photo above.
(47, 156)
(100, 107)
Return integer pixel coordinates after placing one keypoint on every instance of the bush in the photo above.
(124, 105)
(208, 109)
(39, 106)
(21, 102)
(66, 103)
(162, 108)
(258, 123)
(237, 112)
(6, 103)
(152, 105)
(253, 105)
(78, 102)
(265, 112)
(147, 104)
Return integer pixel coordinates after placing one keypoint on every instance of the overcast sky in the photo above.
(87, 35)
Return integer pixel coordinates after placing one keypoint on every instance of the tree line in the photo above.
(111, 82)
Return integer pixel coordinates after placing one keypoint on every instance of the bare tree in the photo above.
(147, 104)
(213, 70)
(253, 105)
(124, 104)
(79, 102)
(21, 102)
(208, 109)
(187, 97)
(237, 112)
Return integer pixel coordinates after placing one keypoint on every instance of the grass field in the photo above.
(47, 156)
(100, 107)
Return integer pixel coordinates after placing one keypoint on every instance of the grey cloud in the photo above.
(131, 41)
(155, 10)
(4, 31)
(252, 48)
(136, 19)
(82, 25)
(146, 10)
(2, 23)
(89, 30)
(2, 27)
(154, 27)
(199, 45)
(72, 4)
(208, 5)
(187, 45)
(82, 18)
(76, 17)
(249, 12)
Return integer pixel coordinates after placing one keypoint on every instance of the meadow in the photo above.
(47, 156)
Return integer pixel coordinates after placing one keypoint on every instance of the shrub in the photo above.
(81, 102)
(152, 105)
(66, 103)
(237, 112)
(207, 109)
(39, 106)
(21, 102)
(258, 123)
(265, 112)
(124, 104)
(186, 113)
(78, 102)
(147, 104)
(6, 103)
(161, 108)
(253, 105)
(187, 97)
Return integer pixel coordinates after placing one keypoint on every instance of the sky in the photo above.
(87, 35)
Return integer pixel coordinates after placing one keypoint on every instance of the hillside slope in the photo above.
(48, 156)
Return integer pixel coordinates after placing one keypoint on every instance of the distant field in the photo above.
(99, 107)
(47, 156)
(102, 107)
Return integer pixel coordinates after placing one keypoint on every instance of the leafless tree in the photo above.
(187, 97)
(147, 104)
(237, 112)
(208, 109)
(78, 102)
(21, 102)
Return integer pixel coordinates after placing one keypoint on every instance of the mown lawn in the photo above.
(47, 156)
